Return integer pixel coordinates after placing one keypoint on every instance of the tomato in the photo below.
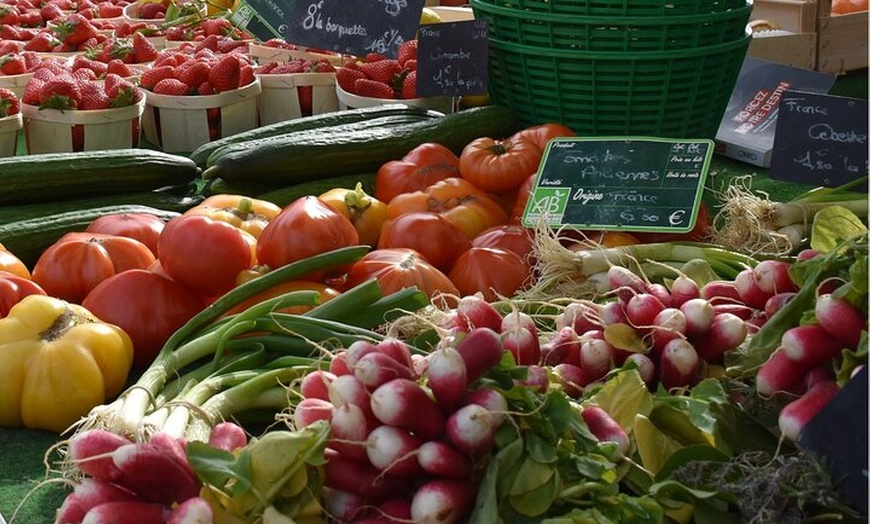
(304, 228)
(492, 272)
(509, 237)
(594, 239)
(13, 288)
(147, 306)
(400, 268)
(324, 291)
(420, 168)
(429, 234)
(499, 166)
(366, 213)
(205, 254)
(541, 134)
(700, 233)
(78, 261)
(458, 200)
(248, 214)
(144, 227)
(12, 264)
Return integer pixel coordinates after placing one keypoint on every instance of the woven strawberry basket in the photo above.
(264, 54)
(15, 82)
(347, 100)
(183, 123)
(9, 127)
(281, 98)
(55, 131)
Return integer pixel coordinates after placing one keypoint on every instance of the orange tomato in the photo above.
(594, 239)
(12, 264)
(325, 292)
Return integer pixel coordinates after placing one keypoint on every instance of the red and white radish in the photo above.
(343, 506)
(376, 368)
(611, 313)
(573, 379)
(481, 349)
(316, 384)
(642, 309)
(91, 451)
(679, 364)
(228, 436)
(128, 513)
(356, 350)
(406, 404)
(192, 511)
(394, 451)
(492, 400)
(88, 493)
(668, 325)
(471, 312)
(396, 348)
(347, 389)
(725, 333)
(810, 344)
(443, 460)
(741, 311)
(471, 429)
(154, 474)
(442, 501)
(661, 292)
(779, 373)
(721, 292)
(797, 413)
(174, 446)
(310, 410)
(840, 319)
(596, 357)
(360, 478)
(625, 283)
(518, 319)
(523, 344)
(349, 431)
(683, 288)
(776, 302)
(750, 292)
(605, 428)
(563, 346)
(772, 276)
(581, 316)
(646, 368)
(447, 377)
(536, 378)
(699, 315)
(338, 364)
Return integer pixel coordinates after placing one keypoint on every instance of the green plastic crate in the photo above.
(623, 7)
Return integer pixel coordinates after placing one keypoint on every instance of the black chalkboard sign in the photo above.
(620, 183)
(452, 58)
(820, 139)
(264, 19)
(354, 27)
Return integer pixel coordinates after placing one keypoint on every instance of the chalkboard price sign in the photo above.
(620, 183)
(820, 139)
(262, 18)
(452, 58)
(355, 27)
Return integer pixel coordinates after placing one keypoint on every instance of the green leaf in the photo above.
(541, 449)
(678, 426)
(653, 446)
(832, 226)
(531, 476)
(623, 397)
(537, 501)
(217, 467)
(509, 459)
(486, 504)
(742, 432)
(685, 455)
(625, 337)
(700, 271)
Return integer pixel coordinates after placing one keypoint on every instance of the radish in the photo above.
(349, 431)
(536, 378)
(725, 333)
(840, 319)
(406, 404)
(471, 429)
(91, 451)
(88, 493)
(596, 357)
(228, 436)
(605, 428)
(128, 513)
(316, 384)
(625, 283)
(797, 413)
(776, 302)
(641, 310)
(699, 315)
(394, 451)
(772, 277)
(646, 368)
(612, 313)
(397, 349)
(750, 292)
(343, 506)
(154, 474)
(572, 379)
(518, 319)
(442, 501)
(421, 363)
(174, 446)
(661, 292)
(806, 254)
(779, 373)
(356, 351)
(347, 389)
(473, 312)
(391, 511)
(492, 400)
(563, 346)
(447, 377)
(668, 325)
(192, 511)
(721, 291)
(679, 364)
(442, 459)
(376, 368)
(581, 316)
(739, 310)
(310, 410)
(338, 364)
(360, 478)
(523, 345)
(810, 344)
(683, 288)
(481, 349)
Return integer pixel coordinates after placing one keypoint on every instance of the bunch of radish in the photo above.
(151, 480)
(406, 432)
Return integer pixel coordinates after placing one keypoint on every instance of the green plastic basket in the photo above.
(612, 33)
(677, 94)
(623, 7)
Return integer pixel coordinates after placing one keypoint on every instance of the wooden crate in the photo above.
(842, 40)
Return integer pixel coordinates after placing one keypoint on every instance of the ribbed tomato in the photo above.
(541, 134)
(420, 168)
(494, 273)
(509, 237)
(144, 227)
(429, 234)
(399, 268)
(499, 166)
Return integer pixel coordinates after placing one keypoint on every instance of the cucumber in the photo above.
(380, 123)
(285, 195)
(292, 160)
(27, 239)
(165, 200)
(219, 186)
(63, 176)
(200, 155)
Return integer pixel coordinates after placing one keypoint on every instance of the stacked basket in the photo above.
(617, 67)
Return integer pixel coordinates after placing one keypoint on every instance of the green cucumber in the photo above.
(63, 176)
(200, 155)
(292, 160)
(27, 239)
(219, 186)
(285, 195)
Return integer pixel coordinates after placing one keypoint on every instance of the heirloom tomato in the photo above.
(499, 166)
(429, 234)
(205, 254)
(521, 199)
(541, 134)
(420, 168)
(13, 288)
(144, 227)
(366, 213)
(72, 266)
(494, 273)
(248, 214)
(399, 268)
(509, 237)
(12, 264)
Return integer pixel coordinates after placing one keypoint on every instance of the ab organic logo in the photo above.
(548, 203)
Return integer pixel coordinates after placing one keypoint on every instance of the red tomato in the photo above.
(13, 288)
(509, 237)
(543, 133)
(499, 166)
(420, 168)
(492, 272)
(144, 227)
(147, 306)
(522, 198)
(72, 266)
(205, 254)
(304, 228)
(429, 234)
(399, 268)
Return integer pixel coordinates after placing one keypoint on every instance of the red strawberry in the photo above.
(373, 89)
(319, 66)
(83, 73)
(93, 96)
(383, 71)
(205, 89)
(121, 93)
(216, 26)
(9, 103)
(346, 77)
(78, 137)
(407, 51)
(409, 85)
(10, 32)
(192, 72)
(143, 49)
(374, 57)
(119, 68)
(306, 100)
(209, 42)
(32, 90)
(73, 29)
(150, 77)
(152, 10)
(8, 15)
(61, 92)
(228, 45)
(12, 64)
(225, 74)
(43, 42)
(7, 47)
(171, 86)
(246, 74)
(411, 65)
(109, 10)
(31, 18)
(31, 59)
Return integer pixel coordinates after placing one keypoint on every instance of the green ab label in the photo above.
(548, 203)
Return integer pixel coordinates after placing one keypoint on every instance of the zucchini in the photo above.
(219, 186)
(63, 176)
(200, 155)
(164, 200)
(285, 195)
(319, 133)
(292, 160)
(27, 239)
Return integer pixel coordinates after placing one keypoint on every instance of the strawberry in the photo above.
(319, 65)
(151, 77)
(374, 57)
(118, 67)
(82, 62)
(83, 73)
(407, 51)
(109, 10)
(409, 85)
(73, 29)
(152, 10)
(121, 92)
(32, 90)
(171, 86)
(228, 45)
(225, 74)
(216, 26)
(373, 89)
(12, 64)
(8, 15)
(61, 92)
(280, 43)
(78, 137)
(7, 47)
(383, 71)
(93, 96)
(345, 77)
(143, 49)
(209, 42)
(31, 18)
(43, 42)
(192, 72)
(246, 74)
(204, 89)
(50, 12)
(10, 32)
(9, 103)
(411, 65)
(31, 59)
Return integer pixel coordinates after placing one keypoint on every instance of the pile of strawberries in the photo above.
(13, 62)
(176, 72)
(55, 85)
(9, 103)
(217, 26)
(136, 49)
(305, 93)
(159, 9)
(377, 76)
(68, 33)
